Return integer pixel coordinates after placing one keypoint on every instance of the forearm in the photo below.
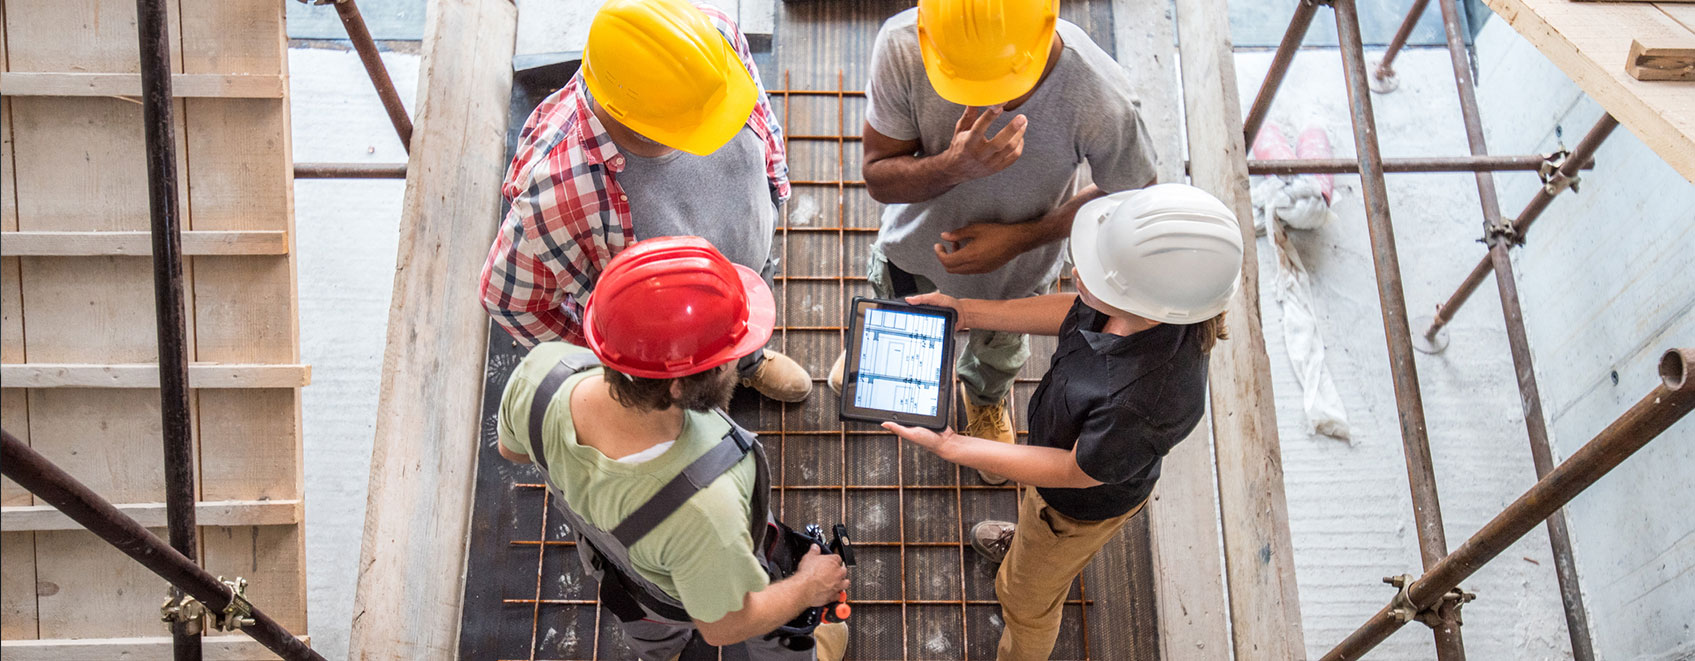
(1056, 224)
(908, 179)
(761, 613)
(1036, 315)
(1027, 465)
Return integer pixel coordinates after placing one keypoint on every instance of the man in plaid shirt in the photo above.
(665, 131)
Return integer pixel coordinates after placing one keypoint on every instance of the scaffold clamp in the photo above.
(184, 614)
(239, 613)
(1442, 614)
(1554, 181)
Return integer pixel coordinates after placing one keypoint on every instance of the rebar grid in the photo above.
(801, 494)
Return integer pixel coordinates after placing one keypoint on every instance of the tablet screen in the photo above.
(900, 361)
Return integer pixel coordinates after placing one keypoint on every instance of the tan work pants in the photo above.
(1048, 551)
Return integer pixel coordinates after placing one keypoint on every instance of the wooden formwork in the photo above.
(79, 345)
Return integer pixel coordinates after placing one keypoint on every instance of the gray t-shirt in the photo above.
(1083, 111)
(723, 197)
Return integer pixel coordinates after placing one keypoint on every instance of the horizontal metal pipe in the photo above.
(59, 489)
(1668, 403)
(1582, 154)
(349, 170)
(1527, 162)
(1292, 38)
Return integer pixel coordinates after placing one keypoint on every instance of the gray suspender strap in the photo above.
(543, 399)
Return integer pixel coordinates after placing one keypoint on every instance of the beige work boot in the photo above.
(832, 639)
(780, 378)
(836, 369)
(992, 422)
(991, 539)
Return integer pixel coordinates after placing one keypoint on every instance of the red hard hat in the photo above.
(673, 306)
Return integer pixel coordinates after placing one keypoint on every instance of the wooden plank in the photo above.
(1664, 60)
(224, 513)
(77, 35)
(140, 244)
(1683, 14)
(1258, 556)
(14, 417)
(86, 588)
(78, 150)
(228, 86)
(1590, 41)
(412, 560)
(144, 375)
(17, 587)
(219, 647)
(272, 559)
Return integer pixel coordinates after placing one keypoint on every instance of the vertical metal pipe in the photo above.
(1297, 32)
(59, 489)
(1427, 510)
(1663, 407)
(154, 35)
(1386, 66)
(367, 48)
(1580, 155)
(1499, 238)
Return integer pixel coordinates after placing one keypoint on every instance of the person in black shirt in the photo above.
(1154, 270)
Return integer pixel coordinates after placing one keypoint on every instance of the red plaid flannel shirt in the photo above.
(569, 216)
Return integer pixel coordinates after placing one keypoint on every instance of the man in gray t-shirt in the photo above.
(980, 198)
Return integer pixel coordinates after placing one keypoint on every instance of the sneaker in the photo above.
(781, 378)
(992, 539)
(835, 379)
(832, 641)
(992, 422)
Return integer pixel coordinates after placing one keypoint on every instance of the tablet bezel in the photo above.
(850, 368)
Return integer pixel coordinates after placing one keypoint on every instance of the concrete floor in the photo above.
(346, 237)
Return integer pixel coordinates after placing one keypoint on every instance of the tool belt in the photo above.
(622, 590)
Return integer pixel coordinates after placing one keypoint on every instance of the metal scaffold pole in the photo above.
(178, 431)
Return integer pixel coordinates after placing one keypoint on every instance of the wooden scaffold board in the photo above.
(79, 342)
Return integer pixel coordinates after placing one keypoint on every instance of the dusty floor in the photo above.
(346, 238)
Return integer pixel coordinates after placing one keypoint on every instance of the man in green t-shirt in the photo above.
(668, 321)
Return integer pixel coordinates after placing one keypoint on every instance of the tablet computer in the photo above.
(899, 364)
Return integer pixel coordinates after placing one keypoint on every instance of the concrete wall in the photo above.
(1607, 286)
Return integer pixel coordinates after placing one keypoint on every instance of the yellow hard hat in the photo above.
(985, 52)
(662, 69)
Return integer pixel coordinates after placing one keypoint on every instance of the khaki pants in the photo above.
(1048, 551)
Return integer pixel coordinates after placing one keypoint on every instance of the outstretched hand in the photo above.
(935, 442)
(973, 154)
(983, 247)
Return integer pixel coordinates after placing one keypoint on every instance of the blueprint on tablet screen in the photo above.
(900, 362)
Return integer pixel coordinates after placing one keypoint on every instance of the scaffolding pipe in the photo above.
(1584, 152)
(1479, 163)
(153, 34)
(1386, 66)
(1669, 402)
(349, 170)
(1427, 510)
(57, 488)
(1499, 238)
(1297, 32)
(367, 48)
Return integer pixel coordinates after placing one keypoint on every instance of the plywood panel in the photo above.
(14, 418)
(238, 164)
(107, 439)
(249, 444)
(76, 35)
(88, 589)
(11, 313)
(89, 310)
(270, 558)
(80, 151)
(17, 586)
(232, 36)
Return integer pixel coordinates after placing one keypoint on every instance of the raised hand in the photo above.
(973, 154)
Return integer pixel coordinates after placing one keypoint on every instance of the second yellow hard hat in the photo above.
(661, 68)
(985, 52)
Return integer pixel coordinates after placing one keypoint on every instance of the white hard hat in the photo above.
(1171, 253)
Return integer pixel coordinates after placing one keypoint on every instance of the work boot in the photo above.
(832, 640)
(993, 422)
(835, 379)
(991, 539)
(781, 378)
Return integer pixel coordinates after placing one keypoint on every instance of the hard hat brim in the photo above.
(1085, 233)
(969, 92)
(761, 317)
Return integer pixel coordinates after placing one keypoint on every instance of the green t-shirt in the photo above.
(702, 554)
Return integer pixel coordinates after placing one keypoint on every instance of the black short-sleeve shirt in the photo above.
(1123, 402)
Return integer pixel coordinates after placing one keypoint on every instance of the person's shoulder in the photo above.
(1100, 70)
(901, 29)
(550, 133)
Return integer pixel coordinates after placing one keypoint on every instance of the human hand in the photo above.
(973, 154)
(941, 300)
(823, 577)
(983, 247)
(938, 443)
